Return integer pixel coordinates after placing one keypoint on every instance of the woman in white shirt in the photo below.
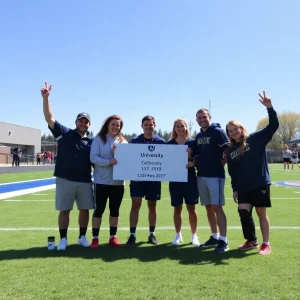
(102, 155)
(286, 157)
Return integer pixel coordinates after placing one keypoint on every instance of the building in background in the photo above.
(16, 136)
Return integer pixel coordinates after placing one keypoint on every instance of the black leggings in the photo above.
(115, 194)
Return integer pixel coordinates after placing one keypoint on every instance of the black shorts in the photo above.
(286, 160)
(258, 198)
(151, 190)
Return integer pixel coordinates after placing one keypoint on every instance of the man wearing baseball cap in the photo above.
(72, 171)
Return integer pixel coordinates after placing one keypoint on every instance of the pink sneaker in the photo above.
(95, 243)
(265, 249)
(114, 241)
(248, 245)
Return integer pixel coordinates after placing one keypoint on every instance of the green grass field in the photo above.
(29, 271)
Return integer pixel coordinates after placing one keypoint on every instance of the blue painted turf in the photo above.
(12, 187)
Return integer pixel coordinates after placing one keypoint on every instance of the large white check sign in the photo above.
(151, 162)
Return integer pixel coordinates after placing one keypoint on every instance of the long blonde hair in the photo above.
(244, 136)
(174, 134)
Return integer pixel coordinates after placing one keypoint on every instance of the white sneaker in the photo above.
(62, 244)
(83, 242)
(177, 240)
(195, 241)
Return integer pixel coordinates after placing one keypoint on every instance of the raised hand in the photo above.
(45, 92)
(265, 100)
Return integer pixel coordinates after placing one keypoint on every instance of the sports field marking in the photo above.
(27, 191)
(126, 199)
(139, 228)
(7, 183)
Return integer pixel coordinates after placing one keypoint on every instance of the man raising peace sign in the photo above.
(72, 170)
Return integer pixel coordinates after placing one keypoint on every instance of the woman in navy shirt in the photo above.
(250, 178)
(184, 190)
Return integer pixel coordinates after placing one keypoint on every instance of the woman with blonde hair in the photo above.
(105, 187)
(186, 191)
(250, 179)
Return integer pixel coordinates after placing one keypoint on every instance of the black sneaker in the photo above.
(211, 242)
(131, 241)
(152, 239)
(222, 247)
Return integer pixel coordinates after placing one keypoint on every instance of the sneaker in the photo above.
(152, 239)
(195, 241)
(62, 244)
(83, 241)
(248, 245)
(113, 241)
(131, 241)
(265, 249)
(95, 243)
(211, 242)
(177, 240)
(222, 247)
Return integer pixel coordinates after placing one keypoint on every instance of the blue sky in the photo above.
(164, 58)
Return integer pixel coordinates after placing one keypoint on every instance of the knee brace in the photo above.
(245, 214)
(248, 225)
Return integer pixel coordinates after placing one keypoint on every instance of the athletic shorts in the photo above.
(259, 197)
(69, 191)
(186, 191)
(287, 160)
(211, 190)
(151, 190)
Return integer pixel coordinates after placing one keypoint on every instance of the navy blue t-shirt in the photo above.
(250, 171)
(191, 144)
(73, 154)
(209, 148)
(140, 139)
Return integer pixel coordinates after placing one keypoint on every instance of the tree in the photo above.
(289, 128)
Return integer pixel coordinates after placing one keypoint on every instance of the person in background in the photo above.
(286, 157)
(38, 158)
(250, 178)
(15, 157)
(294, 158)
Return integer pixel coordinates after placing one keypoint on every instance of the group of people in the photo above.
(207, 156)
(47, 157)
(290, 157)
(16, 154)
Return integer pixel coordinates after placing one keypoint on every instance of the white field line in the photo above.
(27, 191)
(25, 181)
(139, 228)
(126, 199)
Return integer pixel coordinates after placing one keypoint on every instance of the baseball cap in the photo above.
(83, 115)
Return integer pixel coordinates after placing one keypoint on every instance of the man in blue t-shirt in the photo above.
(211, 142)
(72, 171)
(151, 190)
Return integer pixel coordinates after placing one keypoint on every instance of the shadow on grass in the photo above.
(184, 254)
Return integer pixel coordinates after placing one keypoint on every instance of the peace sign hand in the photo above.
(264, 100)
(45, 92)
